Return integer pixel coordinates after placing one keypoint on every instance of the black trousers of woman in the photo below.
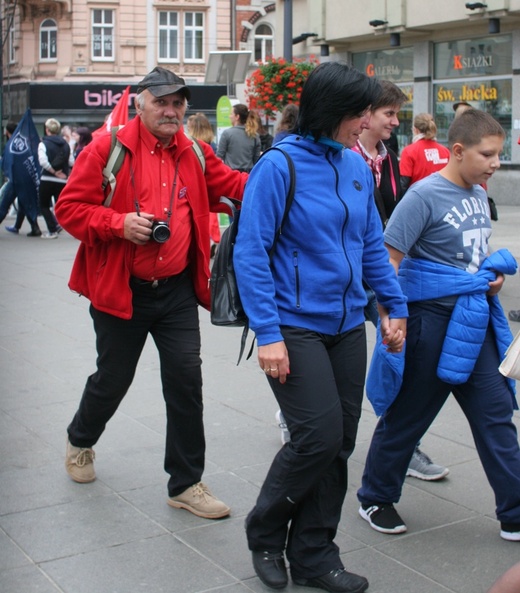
(169, 313)
(299, 505)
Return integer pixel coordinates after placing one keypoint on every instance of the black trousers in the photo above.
(299, 505)
(169, 313)
(48, 190)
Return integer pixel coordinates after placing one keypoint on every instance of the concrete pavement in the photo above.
(117, 535)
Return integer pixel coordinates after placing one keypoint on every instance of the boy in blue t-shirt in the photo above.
(442, 226)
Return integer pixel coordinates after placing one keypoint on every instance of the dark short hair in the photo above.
(470, 127)
(334, 91)
(391, 95)
(10, 126)
(242, 111)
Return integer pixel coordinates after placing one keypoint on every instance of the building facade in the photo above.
(438, 54)
(73, 59)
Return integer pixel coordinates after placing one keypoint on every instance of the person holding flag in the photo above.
(20, 165)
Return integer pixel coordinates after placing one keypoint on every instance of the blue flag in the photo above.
(20, 164)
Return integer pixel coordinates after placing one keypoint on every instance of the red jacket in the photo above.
(101, 270)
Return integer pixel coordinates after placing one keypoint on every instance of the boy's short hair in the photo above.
(471, 126)
(53, 125)
(391, 95)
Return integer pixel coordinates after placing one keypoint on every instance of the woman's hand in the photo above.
(274, 360)
(393, 331)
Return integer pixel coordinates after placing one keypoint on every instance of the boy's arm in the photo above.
(396, 256)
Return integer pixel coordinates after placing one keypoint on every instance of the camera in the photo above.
(160, 231)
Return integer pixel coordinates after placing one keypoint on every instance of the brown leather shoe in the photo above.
(79, 463)
(198, 500)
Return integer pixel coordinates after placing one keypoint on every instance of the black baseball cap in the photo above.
(162, 82)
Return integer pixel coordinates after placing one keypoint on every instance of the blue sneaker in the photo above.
(12, 229)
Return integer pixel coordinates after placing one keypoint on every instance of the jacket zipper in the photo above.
(344, 249)
(296, 278)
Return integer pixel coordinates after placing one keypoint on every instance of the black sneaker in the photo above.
(382, 517)
(510, 531)
(336, 581)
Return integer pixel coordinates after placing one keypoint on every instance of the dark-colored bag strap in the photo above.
(288, 203)
(290, 196)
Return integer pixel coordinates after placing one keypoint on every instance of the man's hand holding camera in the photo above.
(138, 227)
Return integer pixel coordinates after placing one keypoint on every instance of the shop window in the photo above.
(491, 95)
(168, 36)
(193, 36)
(263, 42)
(477, 71)
(48, 40)
(102, 35)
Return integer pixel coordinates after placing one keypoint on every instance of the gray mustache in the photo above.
(169, 120)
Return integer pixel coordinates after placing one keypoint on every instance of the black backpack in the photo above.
(226, 306)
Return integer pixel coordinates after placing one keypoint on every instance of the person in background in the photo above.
(68, 134)
(387, 193)
(56, 161)
(239, 146)
(438, 241)
(266, 140)
(81, 136)
(305, 304)
(143, 262)
(199, 128)
(425, 155)
(460, 107)
(287, 122)
(8, 197)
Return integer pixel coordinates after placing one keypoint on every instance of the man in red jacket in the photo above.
(144, 264)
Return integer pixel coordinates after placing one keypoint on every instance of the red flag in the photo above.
(118, 116)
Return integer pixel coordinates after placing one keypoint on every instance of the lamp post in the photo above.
(287, 30)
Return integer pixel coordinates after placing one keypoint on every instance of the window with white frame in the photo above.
(263, 42)
(102, 34)
(193, 36)
(48, 40)
(11, 47)
(168, 36)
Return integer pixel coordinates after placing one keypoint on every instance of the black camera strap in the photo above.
(172, 195)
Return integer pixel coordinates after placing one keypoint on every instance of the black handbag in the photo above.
(226, 307)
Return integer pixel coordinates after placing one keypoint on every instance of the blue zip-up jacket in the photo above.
(424, 280)
(332, 237)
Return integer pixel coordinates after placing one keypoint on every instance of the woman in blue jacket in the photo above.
(306, 308)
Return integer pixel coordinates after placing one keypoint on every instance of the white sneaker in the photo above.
(285, 435)
(50, 236)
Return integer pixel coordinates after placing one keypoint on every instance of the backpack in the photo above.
(226, 306)
(116, 158)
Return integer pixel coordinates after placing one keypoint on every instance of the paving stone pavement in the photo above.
(117, 535)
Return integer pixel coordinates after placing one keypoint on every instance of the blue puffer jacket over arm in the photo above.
(425, 280)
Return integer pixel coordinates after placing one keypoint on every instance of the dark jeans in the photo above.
(307, 481)
(485, 400)
(170, 314)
